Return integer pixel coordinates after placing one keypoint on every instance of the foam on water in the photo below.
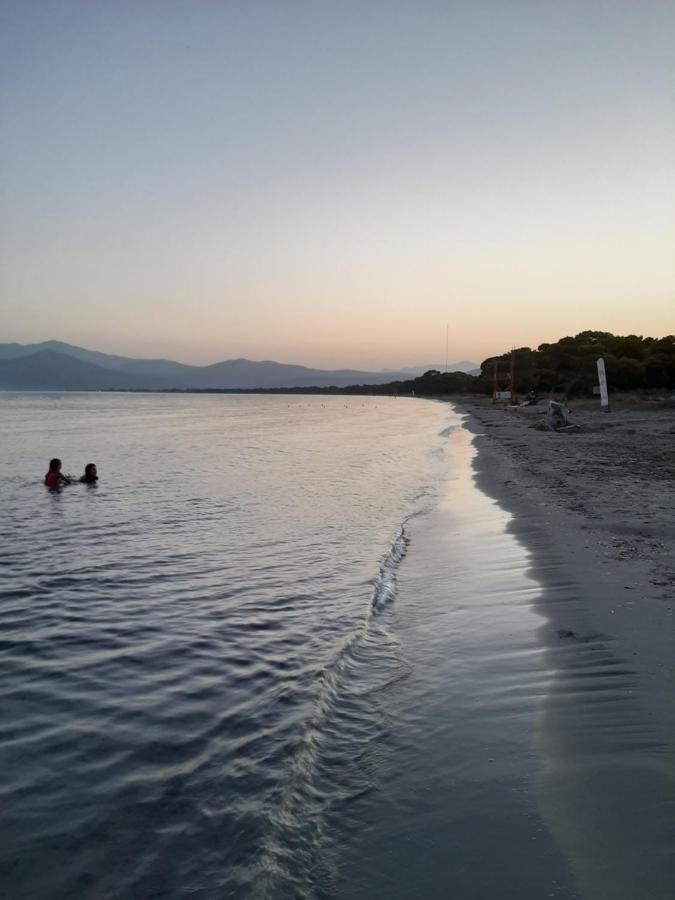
(384, 589)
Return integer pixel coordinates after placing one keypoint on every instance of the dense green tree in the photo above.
(570, 365)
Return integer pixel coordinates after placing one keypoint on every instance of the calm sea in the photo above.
(284, 649)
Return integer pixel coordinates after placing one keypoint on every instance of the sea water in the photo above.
(285, 648)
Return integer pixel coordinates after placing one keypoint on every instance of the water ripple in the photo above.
(192, 678)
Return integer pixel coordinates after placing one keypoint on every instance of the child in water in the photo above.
(54, 478)
(90, 476)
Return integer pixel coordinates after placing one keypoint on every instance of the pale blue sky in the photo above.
(330, 183)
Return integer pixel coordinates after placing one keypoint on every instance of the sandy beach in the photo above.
(593, 508)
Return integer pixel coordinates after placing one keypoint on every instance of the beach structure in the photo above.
(503, 378)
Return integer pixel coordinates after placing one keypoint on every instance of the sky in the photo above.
(334, 183)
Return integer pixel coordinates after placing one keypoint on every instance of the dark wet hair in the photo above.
(88, 468)
(54, 464)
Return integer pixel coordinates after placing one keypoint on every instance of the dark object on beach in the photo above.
(54, 479)
(557, 415)
(90, 475)
(591, 637)
(557, 419)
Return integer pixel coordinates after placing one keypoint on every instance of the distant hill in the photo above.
(61, 366)
(48, 370)
(160, 368)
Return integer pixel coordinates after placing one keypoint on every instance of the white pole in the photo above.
(602, 381)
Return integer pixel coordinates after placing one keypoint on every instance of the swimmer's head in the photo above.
(90, 471)
(54, 465)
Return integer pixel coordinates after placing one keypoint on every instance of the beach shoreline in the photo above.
(593, 510)
(598, 498)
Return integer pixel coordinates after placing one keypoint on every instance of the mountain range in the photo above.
(54, 365)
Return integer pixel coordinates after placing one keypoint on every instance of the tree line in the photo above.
(569, 366)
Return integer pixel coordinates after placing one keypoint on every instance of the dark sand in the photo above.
(595, 510)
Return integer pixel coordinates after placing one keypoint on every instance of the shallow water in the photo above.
(189, 649)
(286, 648)
(456, 811)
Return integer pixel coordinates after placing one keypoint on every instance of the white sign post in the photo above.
(602, 380)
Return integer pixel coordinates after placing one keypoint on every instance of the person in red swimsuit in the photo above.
(54, 478)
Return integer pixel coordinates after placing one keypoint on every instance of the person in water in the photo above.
(54, 478)
(90, 475)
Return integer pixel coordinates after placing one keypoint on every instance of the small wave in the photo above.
(384, 589)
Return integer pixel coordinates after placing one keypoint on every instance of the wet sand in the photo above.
(595, 510)
(455, 807)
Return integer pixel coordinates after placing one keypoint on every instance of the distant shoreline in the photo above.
(358, 390)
